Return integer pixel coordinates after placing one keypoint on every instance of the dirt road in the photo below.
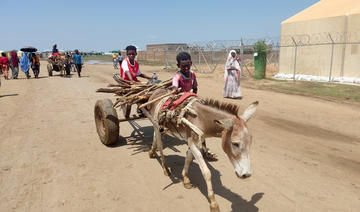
(305, 153)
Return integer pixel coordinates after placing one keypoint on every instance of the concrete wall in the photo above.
(352, 51)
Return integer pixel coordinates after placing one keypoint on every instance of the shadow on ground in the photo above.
(140, 141)
(31, 78)
(7, 95)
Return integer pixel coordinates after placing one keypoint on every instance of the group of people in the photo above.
(26, 61)
(117, 60)
(185, 79)
(31, 60)
(129, 69)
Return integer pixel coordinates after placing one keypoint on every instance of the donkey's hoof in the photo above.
(186, 182)
(214, 208)
(188, 185)
(209, 155)
(152, 154)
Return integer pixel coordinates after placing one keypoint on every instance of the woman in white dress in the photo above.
(232, 77)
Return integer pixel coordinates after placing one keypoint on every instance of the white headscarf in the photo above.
(230, 56)
(231, 62)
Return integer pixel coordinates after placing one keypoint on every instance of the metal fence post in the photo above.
(295, 57)
(166, 59)
(332, 56)
(199, 56)
(241, 54)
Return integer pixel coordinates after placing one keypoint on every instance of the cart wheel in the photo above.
(49, 68)
(106, 120)
(126, 109)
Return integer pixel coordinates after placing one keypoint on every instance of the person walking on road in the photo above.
(115, 61)
(119, 59)
(25, 64)
(14, 65)
(232, 77)
(78, 61)
(4, 65)
(35, 64)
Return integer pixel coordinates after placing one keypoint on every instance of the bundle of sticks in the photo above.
(130, 92)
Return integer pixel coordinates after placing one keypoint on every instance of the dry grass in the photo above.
(328, 91)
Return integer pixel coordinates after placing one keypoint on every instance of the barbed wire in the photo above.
(323, 38)
(228, 44)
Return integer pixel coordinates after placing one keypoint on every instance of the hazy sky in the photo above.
(113, 24)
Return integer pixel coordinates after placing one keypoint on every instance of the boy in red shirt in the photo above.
(184, 79)
(129, 69)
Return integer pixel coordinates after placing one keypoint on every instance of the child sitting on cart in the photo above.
(184, 78)
(129, 69)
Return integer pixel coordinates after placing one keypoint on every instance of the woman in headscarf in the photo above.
(4, 65)
(35, 64)
(25, 64)
(232, 77)
(14, 64)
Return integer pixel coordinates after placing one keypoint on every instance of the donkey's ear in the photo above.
(225, 123)
(249, 111)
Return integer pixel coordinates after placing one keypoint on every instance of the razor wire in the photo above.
(323, 38)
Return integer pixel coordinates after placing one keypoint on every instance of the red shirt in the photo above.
(183, 82)
(4, 61)
(133, 70)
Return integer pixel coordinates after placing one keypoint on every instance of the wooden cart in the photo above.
(128, 94)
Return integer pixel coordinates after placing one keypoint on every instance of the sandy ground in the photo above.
(305, 153)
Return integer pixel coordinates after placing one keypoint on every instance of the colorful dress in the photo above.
(4, 66)
(14, 64)
(25, 64)
(232, 77)
(35, 65)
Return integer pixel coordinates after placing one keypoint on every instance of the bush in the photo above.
(260, 47)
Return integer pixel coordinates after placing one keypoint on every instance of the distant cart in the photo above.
(60, 64)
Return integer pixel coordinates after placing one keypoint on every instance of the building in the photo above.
(327, 40)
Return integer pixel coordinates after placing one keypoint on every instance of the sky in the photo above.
(105, 25)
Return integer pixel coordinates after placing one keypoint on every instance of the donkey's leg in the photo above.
(189, 158)
(152, 151)
(207, 154)
(159, 145)
(214, 207)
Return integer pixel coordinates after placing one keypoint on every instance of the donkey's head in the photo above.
(236, 141)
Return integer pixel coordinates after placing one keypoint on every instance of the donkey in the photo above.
(214, 119)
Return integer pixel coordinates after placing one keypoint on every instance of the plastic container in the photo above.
(155, 78)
